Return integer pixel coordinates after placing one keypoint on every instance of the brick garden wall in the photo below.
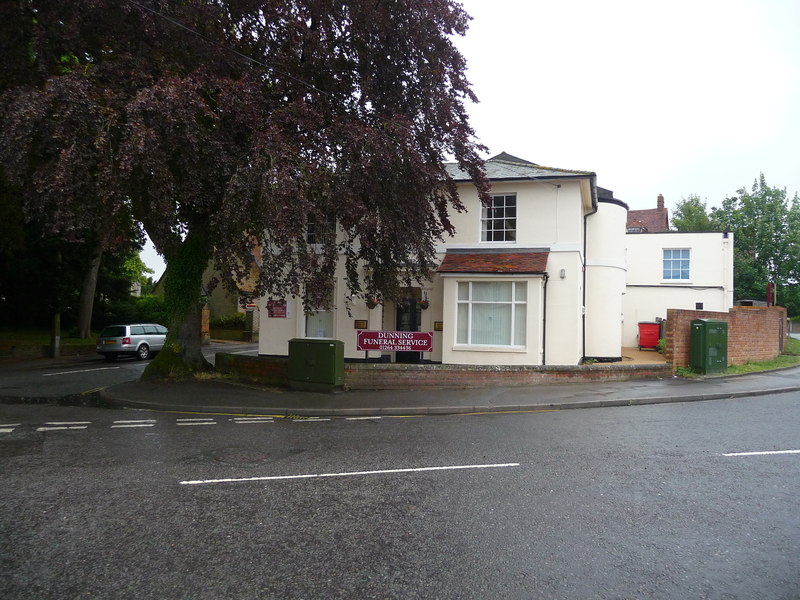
(387, 376)
(755, 333)
(374, 376)
(263, 369)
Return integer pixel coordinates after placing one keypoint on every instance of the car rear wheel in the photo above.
(143, 352)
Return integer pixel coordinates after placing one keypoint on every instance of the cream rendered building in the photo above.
(537, 278)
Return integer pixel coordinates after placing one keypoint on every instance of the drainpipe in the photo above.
(585, 230)
(544, 320)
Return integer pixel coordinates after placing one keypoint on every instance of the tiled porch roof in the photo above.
(495, 261)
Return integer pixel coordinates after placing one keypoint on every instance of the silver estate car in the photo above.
(139, 339)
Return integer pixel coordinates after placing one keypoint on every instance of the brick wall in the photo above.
(263, 369)
(755, 333)
(371, 376)
(387, 376)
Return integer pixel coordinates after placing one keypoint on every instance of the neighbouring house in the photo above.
(689, 271)
(649, 220)
(545, 275)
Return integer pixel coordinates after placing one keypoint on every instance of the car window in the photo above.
(113, 331)
(161, 329)
(149, 329)
(137, 330)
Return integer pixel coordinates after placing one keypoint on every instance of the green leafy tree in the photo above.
(223, 127)
(690, 215)
(766, 248)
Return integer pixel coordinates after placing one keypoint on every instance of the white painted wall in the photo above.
(648, 295)
(548, 216)
(605, 280)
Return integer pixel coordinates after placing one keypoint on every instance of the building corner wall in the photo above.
(605, 281)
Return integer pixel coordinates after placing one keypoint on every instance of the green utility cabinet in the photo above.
(708, 346)
(316, 364)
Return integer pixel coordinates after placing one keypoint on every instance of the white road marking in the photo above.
(349, 474)
(187, 420)
(10, 424)
(68, 423)
(60, 428)
(240, 420)
(769, 452)
(82, 371)
(309, 420)
(185, 423)
(137, 421)
(128, 425)
(6, 429)
(361, 418)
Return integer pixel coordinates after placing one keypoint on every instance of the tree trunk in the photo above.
(182, 355)
(88, 288)
(55, 332)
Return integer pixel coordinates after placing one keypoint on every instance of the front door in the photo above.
(409, 315)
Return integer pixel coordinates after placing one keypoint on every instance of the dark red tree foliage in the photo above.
(225, 125)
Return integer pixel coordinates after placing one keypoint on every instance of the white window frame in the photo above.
(514, 314)
(673, 261)
(488, 218)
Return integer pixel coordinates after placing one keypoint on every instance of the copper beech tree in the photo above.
(230, 125)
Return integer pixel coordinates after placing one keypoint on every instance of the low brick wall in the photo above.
(755, 333)
(263, 369)
(387, 376)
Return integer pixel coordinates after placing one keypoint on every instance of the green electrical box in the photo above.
(708, 346)
(316, 364)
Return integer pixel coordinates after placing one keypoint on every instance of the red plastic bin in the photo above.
(648, 335)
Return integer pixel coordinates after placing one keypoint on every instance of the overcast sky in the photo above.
(678, 98)
(674, 98)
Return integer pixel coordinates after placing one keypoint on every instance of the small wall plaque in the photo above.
(360, 324)
(438, 326)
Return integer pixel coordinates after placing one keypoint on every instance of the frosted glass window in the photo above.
(319, 323)
(491, 313)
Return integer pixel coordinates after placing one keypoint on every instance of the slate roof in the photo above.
(505, 167)
(495, 260)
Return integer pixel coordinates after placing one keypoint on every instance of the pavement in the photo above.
(227, 397)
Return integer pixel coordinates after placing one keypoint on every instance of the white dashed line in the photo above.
(130, 425)
(349, 474)
(766, 453)
(361, 418)
(240, 420)
(186, 422)
(68, 423)
(60, 428)
(82, 371)
(310, 420)
(6, 429)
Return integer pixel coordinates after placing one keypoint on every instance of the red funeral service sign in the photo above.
(394, 341)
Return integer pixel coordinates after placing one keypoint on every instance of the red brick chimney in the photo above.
(660, 201)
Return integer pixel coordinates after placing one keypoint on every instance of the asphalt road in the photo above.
(79, 374)
(636, 502)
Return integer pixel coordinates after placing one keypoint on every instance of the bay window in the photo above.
(492, 313)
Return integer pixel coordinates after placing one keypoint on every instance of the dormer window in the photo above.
(499, 221)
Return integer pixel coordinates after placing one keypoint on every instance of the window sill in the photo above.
(479, 348)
